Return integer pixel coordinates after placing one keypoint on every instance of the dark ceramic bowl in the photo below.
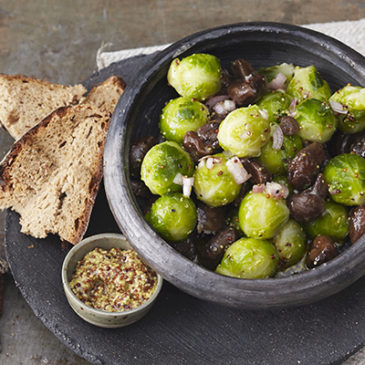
(137, 115)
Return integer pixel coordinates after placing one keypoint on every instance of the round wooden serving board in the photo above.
(181, 329)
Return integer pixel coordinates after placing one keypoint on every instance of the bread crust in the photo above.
(10, 159)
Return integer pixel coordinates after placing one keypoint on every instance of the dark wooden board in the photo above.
(181, 329)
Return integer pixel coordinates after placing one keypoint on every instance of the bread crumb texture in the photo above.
(106, 95)
(25, 101)
(52, 174)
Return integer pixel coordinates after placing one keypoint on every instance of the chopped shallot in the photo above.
(211, 161)
(215, 99)
(236, 169)
(188, 183)
(178, 179)
(224, 107)
(278, 82)
(292, 107)
(278, 138)
(338, 107)
(259, 188)
(276, 190)
(264, 114)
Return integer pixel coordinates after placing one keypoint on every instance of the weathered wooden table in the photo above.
(58, 40)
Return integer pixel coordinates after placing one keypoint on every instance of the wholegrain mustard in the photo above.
(113, 280)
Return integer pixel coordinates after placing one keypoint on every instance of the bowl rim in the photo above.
(97, 312)
(132, 224)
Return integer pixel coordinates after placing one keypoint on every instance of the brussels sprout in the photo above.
(283, 180)
(333, 223)
(290, 243)
(287, 69)
(182, 115)
(161, 165)
(352, 100)
(215, 186)
(249, 258)
(196, 76)
(316, 119)
(307, 83)
(276, 161)
(261, 216)
(244, 131)
(173, 216)
(275, 103)
(345, 176)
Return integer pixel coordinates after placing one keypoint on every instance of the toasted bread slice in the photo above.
(25, 101)
(106, 95)
(52, 174)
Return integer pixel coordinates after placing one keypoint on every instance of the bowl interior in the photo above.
(104, 241)
(261, 48)
(137, 115)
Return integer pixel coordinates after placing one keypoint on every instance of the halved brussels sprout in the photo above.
(182, 115)
(308, 83)
(249, 258)
(244, 131)
(332, 223)
(287, 69)
(351, 111)
(161, 165)
(215, 186)
(276, 161)
(173, 216)
(196, 76)
(345, 176)
(316, 120)
(275, 103)
(290, 243)
(261, 215)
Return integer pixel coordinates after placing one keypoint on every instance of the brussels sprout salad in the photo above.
(256, 173)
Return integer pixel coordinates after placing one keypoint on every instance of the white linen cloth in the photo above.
(352, 33)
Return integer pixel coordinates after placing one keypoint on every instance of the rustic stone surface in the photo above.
(58, 40)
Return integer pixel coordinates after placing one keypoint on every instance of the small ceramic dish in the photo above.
(94, 316)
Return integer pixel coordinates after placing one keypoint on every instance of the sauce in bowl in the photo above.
(113, 280)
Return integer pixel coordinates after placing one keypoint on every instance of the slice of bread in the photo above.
(106, 95)
(52, 174)
(25, 101)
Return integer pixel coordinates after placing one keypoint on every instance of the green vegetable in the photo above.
(244, 131)
(290, 243)
(249, 258)
(276, 161)
(333, 223)
(161, 165)
(316, 120)
(173, 216)
(215, 186)
(262, 216)
(345, 176)
(196, 76)
(307, 83)
(352, 98)
(275, 103)
(182, 115)
(271, 72)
